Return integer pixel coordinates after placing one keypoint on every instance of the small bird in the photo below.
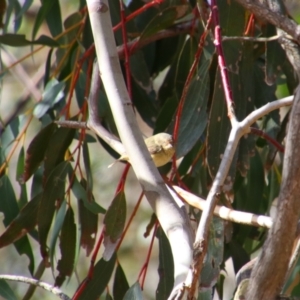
(160, 146)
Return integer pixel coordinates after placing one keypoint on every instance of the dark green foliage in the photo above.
(55, 166)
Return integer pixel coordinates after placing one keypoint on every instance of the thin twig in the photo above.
(222, 63)
(250, 38)
(226, 213)
(46, 286)
(281, 21)
(265, 136)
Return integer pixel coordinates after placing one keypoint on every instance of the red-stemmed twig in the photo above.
(123, 179)
(100, 240)
(185, 90)
(138, 12)
(222, 62)
(200, 245)
(130, 220)
(272, 141)
(91, 269)
(250, 25)
(143, 272)
(189, 79)
(131, 16)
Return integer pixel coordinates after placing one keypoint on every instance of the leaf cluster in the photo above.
(54, 176)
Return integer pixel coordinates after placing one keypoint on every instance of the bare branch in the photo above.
(226, 213)
(237, 131)
(264, 110)
(173, 219)
(46, 286)
(250, 38)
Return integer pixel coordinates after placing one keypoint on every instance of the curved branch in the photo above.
(46, 286)
(226, 213)
(237, 131)
(264, 110)
(172, 217)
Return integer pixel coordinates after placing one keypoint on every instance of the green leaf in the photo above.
(8, 203)
(54, 24)
(238, 254)
(218, 130)
(57, 147)
(24, 222)
(165, 268)
(79, 190)
(87, 166)
(243, 94)
(108, 297)
(54, 191)
(67, 245)
(80, 88)
(19, 40)
(231, 11)
(101, 276)
(194, 116)
(25, 7)
(144, 103)
(115, 217)
(89, 225)
(6, 292)
(13, 7)
(11, 132)
(183, 64)
(37, 183)
(169, 85)
(71, 21)
(58, 223)
(20, 163)
(18, 223)
(23, 247)
(140, 73)
(20, 171)
(134, 293)
(42, 16)
(120, 283)
(165, 53)
(53, 93)
(165, 19)
(250, 194)
(48, 67)
(36, 151)
(166, 114)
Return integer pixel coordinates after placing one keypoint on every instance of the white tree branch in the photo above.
(173, 219)
(46, 286)
(237, 131)
(226, 213)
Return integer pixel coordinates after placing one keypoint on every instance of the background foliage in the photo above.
(49, 177)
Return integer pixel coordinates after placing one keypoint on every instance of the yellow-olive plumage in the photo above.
(161, 148)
